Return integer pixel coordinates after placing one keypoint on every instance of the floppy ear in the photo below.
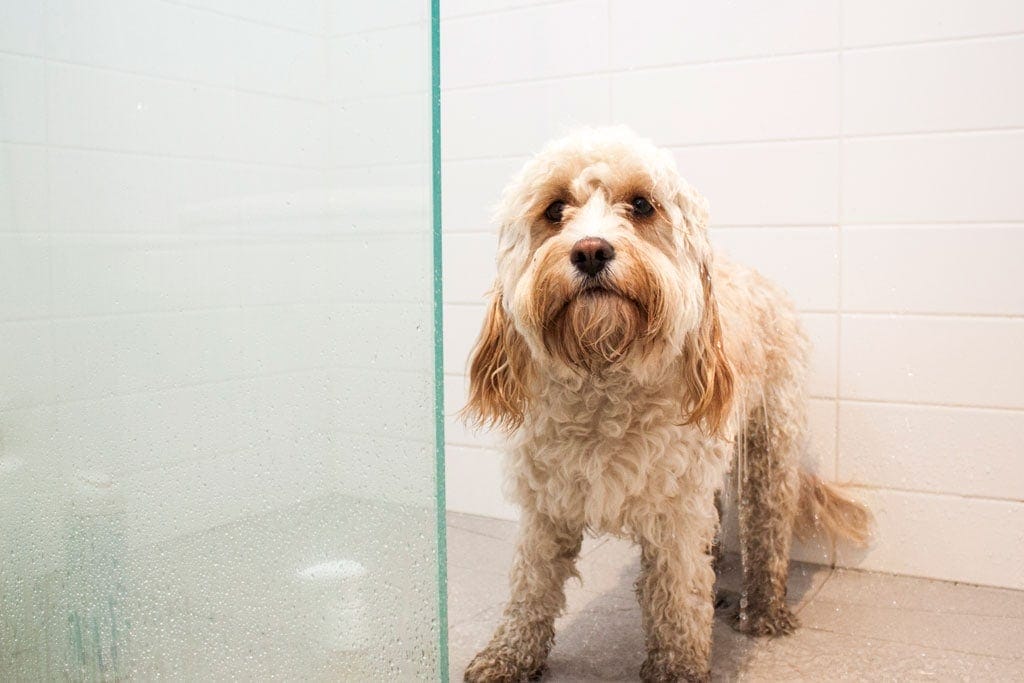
(708, 375)
(707, 372)
(497, 372)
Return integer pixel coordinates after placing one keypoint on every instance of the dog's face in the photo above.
(603, 261)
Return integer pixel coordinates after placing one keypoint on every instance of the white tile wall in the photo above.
(775, 183)
(697, 104)
(961, 361)
(655, 32)
(959, 178)
(22, 99)
(969, 269)
(564, 38)
(917, 83)
(880, 22)
(866, 154)
(969, 451)
(517, 119)
(805, 261)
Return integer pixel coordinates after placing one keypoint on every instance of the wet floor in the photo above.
(856, 625)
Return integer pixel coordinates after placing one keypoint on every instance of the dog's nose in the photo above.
(591, 254)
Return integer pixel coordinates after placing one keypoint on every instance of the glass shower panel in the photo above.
(217, 364)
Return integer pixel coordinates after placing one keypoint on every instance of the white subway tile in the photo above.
(384, 402)
(787, 183)
(274, 130)
(469, 260)
(962, 361)
(963, 451)
(875, 22)
(23, 27)
(517, 120)
(940, 269)
(144, 431)
(822, 330)
(795, 97)
(22, 99)
(933, 87)
(455, 8)
(122, 112)
(25, 262)
(305, 15)
(804, 261)
(146, 37)
(23, 189)
(934, 178)
(110, 192)
(354, 17)
(544, 41)
(379, 63)
(395, 336)
(114, 275)
(473, 483)
(100, 357)
(820, 456)
(943, 537)
(272, 272)
(28, 378)
(471, 191)
(390, 130)
(462, 326)
(391, 268)
(295, 337)
(652, 32)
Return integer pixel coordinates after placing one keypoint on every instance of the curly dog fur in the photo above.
(632, 368)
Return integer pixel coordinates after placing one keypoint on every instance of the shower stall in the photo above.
(220, 445)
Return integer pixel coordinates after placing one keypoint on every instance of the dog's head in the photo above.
(603, 262)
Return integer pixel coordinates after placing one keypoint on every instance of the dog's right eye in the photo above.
(554, 211)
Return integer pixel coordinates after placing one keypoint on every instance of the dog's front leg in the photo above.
(545, 558)
(675, 590)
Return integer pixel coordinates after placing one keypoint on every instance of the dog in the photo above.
(631, 367)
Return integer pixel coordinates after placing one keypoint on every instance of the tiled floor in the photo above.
(856, 625)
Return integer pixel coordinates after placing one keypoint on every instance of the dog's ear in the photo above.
(707, 372)
(497, 372)
(708, 375)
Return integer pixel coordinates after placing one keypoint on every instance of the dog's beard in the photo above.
(595, 328)
(593, 323)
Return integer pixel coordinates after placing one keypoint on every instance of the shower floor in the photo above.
(856, 625)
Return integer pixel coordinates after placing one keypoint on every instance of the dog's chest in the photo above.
(605, 458)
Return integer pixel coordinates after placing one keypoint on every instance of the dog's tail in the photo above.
(825, 507)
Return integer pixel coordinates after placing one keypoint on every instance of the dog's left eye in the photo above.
(641, 206)
(554, 211)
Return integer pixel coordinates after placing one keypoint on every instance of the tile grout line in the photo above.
(754, 58)
(839, 257)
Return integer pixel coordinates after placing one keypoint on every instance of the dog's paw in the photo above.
(775, 622)
(661, 667)
(490, 666)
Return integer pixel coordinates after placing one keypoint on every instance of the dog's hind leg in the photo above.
(545, 559)
(768, 480)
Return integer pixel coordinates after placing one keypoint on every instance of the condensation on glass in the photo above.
(217, 413)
